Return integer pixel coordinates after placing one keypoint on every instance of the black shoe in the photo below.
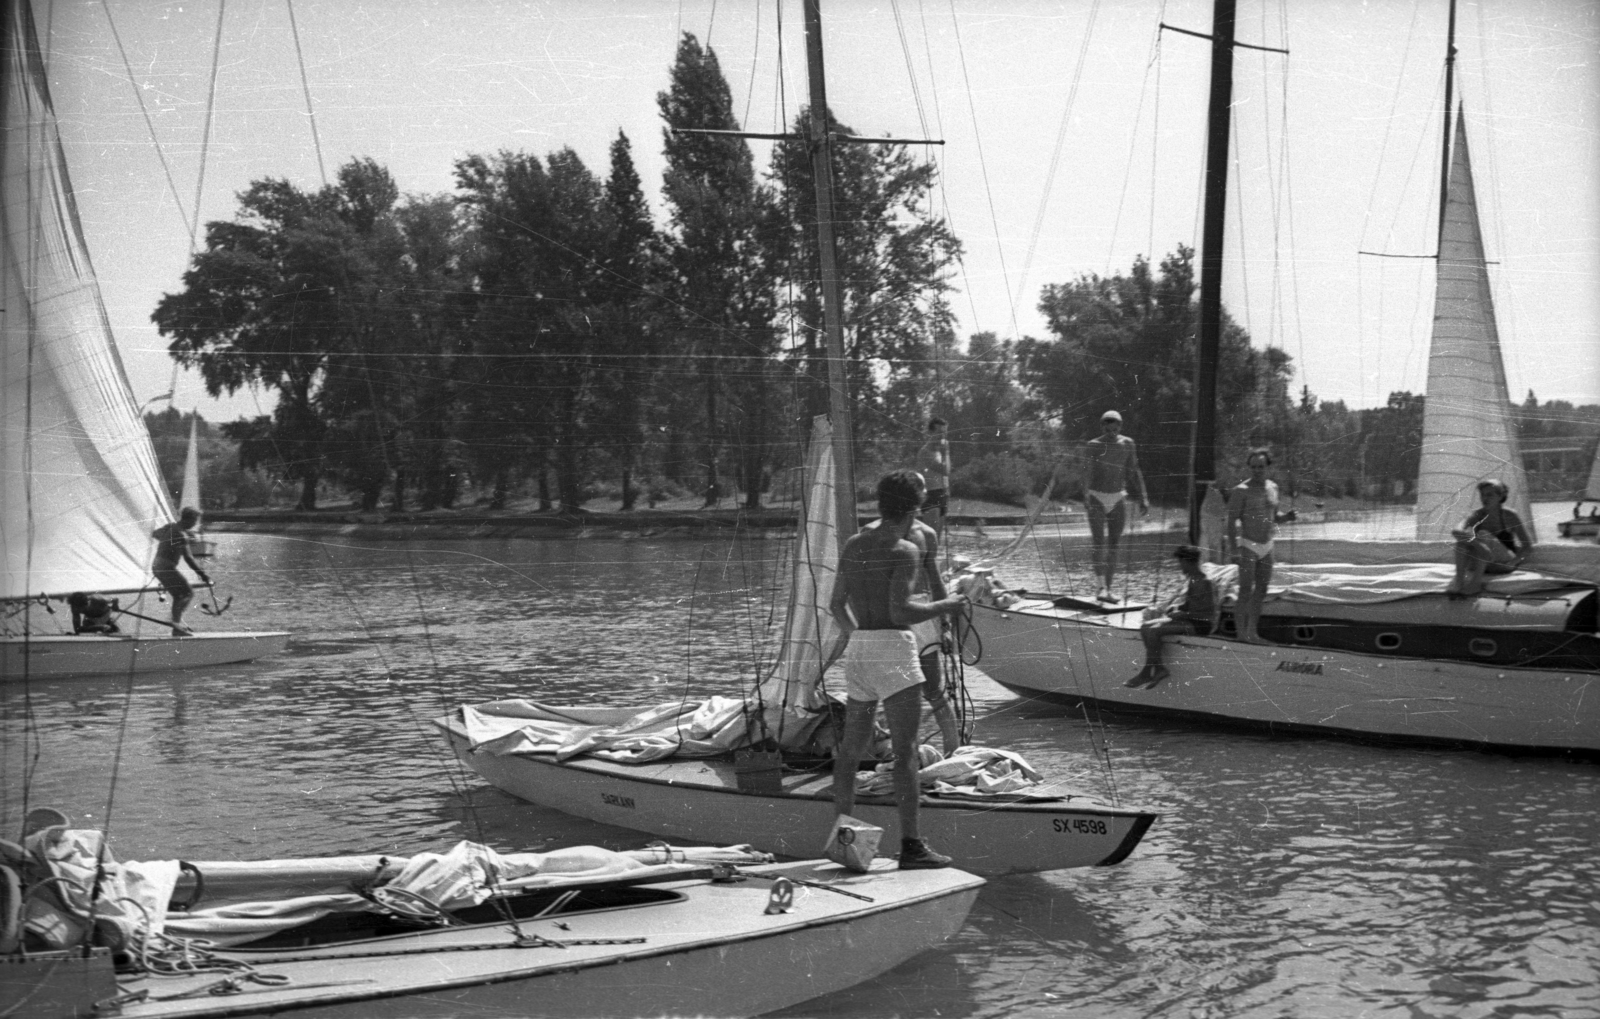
(915, 855)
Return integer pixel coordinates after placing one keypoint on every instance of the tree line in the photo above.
(538, 331)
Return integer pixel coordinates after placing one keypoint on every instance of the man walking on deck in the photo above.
(1113, 470)
(875, 606)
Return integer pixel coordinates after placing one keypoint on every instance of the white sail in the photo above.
(80, 491)
(1467, 429)
(809, 630)
(1593, 489)
(191, 468)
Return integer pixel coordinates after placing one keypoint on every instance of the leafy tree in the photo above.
(720, 280)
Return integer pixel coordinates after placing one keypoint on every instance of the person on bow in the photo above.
(1492, 539)
(1195, 614)
(92, 613)
(1112, 471)
(172, 548)
(1253, 520)
(875, 604)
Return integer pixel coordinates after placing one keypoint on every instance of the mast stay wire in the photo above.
(1155, 145)
(1055, 155)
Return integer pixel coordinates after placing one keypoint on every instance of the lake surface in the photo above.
(1286, 877)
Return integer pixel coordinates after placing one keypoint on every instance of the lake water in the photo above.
(1286, 877)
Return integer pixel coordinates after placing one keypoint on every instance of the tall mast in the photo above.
(821, 143)
(1203, 462)
(1444, 140)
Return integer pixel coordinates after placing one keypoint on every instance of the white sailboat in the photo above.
(1369, 647)
(80, 492)
(535, 752)
(1585, 526)
(199, 545)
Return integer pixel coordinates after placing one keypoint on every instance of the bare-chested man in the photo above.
(933, 460)
(1253, 513)
(874, 604)
(1113, 470)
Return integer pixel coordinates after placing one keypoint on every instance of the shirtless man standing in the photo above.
(1253, 506)
(1113, 470)
(875, 607)
(933, 460)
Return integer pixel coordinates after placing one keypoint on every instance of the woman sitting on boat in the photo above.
(1490, 540)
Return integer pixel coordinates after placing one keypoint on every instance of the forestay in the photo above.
(80, 491)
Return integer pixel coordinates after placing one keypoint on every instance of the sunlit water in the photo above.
(1286, 876)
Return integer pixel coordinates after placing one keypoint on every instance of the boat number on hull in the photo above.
(612, 800)
(1307, 668)
(1078, 826)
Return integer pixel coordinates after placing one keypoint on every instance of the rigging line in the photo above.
(1005, 276)
(944, 193)
(1055, 155)
(1138, 117)
(1155, 145)
(205, 138)
(1236, 174)
(161, 154)
(911, 72)
(755, 58)
(305, 87)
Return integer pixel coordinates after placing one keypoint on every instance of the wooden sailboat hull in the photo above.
(713, 952)
(57, 657)
(1048, 653)
(701, 800)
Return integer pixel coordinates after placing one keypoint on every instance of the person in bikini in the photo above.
(1253, 520)
(1113, 469)
(1492, 539)
(875, 604)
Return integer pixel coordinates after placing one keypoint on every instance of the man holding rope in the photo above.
(172, 547)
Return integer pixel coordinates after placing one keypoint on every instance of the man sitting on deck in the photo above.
(874, 606)
(1195, 615)
(92, 613)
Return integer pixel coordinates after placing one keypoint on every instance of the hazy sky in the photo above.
(1336, 145)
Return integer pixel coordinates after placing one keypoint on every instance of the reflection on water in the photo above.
(1286, 877)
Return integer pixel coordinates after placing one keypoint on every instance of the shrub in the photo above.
(999, 477)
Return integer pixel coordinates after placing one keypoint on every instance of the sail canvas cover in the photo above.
(1468, 433)
(80, 490)
(809, 630)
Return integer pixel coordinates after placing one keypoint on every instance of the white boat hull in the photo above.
(715, 952)
(1053, 654)
(700, 800)
(56, 657)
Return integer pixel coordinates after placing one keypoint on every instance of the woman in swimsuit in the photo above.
(1492, 539)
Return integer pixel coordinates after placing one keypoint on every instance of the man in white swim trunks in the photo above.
(1253, 513)
(1113, 469)
(875, 605)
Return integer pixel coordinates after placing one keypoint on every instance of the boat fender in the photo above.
(185, 867)
(10, 910)
(781, 898)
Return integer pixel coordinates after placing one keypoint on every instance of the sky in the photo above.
(1074, 137)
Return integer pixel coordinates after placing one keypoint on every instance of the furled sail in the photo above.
(809, 631)
(80, 490)
(1467, 429)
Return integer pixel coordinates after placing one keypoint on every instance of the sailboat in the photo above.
(576, 932)
(1581, 526)
(80, 491)
(687, 770)
(199, 545)
(1370, 647)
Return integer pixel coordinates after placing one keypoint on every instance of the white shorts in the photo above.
(880, 663)
(929, 634)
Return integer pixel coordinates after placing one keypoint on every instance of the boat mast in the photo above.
(1444, 141)
(1203, 454)
(821, 145)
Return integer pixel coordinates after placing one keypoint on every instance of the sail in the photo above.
(809, 631)
(80, 491)
(1593, 489)
(1467, 429)
(191, 468)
